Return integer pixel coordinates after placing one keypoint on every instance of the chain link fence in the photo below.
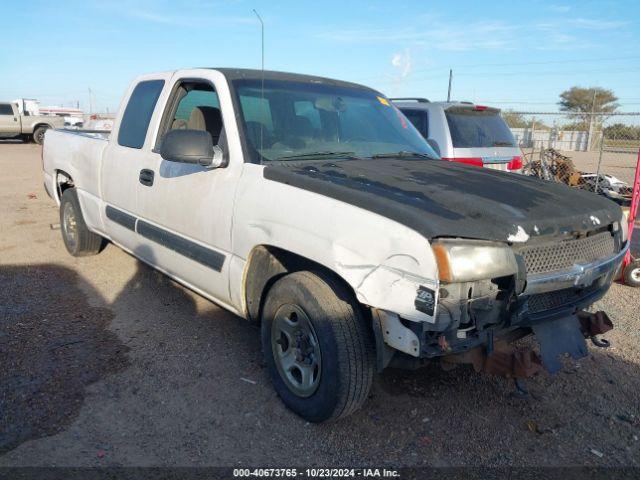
(592, 151)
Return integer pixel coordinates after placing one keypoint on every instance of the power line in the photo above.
(546, 62)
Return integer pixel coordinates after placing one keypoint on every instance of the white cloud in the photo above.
(438, 34)
(200, 14)
(402, 62)
(596, 24)
(559, 8)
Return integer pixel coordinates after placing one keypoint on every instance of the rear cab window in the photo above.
(137, 114)
(474, 128)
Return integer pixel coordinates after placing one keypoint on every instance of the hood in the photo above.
(446, 199)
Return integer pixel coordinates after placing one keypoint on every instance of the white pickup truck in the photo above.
(314, 207)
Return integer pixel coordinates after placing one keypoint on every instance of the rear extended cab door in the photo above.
(124, 157)
(9, 120)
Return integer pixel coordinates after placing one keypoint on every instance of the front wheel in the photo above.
(79, 240)
(632, 274)
(317, 346)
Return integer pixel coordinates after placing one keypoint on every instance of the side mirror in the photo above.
(191, 146)
(434, 145)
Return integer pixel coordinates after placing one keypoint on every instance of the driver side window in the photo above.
(195, 106)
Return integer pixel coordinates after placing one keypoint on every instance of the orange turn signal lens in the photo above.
(444, 265)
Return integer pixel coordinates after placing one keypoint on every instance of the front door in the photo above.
(186, 214)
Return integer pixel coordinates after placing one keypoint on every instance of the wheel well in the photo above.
(266, 265)
(35, 127)
(63, 181)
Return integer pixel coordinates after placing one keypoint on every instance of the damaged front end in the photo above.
(491, 294)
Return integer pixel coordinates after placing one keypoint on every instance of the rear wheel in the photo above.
(317, 346)
(632, 274)
(78, 239)
(38, 134)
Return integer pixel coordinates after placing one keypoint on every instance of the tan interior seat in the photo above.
(207, 119)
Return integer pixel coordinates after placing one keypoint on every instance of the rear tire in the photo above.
(317, 346)
(38, 134)
(632, 274)
(78, 239)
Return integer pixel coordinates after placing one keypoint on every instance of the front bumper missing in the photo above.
(555, 338)
(558, 337)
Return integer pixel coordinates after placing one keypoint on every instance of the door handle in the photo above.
(146, 177)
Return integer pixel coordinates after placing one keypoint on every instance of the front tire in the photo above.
(78, 239)
(317, 346)
(38, 134)
(632, 274)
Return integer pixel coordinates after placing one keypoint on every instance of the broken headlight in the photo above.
(469, 260)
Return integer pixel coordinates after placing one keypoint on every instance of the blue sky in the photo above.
(511, 54)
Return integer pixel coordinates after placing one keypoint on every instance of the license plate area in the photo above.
(559, 337)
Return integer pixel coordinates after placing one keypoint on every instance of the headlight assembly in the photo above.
(470, 260)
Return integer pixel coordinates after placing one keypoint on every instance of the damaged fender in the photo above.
(394, 286)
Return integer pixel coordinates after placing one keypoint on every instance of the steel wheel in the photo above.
(632, 273)
(38, 135)
(296, 350)
(69, 225)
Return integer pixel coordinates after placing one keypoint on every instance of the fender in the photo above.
(385, 263)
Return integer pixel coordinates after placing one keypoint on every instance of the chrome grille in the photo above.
(552, 257)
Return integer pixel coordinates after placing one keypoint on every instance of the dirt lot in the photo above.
(105, 362)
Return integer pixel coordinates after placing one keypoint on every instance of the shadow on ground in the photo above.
(191, 390)
(53, 344)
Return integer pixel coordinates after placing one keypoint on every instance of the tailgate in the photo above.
(502, 158)
(480, 136)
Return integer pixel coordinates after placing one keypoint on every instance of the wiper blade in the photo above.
(403, 154)
(502, 144)
(314, 155)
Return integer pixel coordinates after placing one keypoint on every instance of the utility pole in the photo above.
(591, 122)
(90, 102)
(449, 91)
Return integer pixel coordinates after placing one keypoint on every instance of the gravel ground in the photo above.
(105, 362)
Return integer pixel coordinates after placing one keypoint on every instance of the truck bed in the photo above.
(78, 154)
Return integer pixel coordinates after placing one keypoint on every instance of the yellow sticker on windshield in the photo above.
(383, 101)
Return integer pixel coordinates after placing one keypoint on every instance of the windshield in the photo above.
(484, 128)
(300, 120)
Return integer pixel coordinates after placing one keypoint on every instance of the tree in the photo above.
(620, 131)
(518, 120)
(515, 120)
(580, 100)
